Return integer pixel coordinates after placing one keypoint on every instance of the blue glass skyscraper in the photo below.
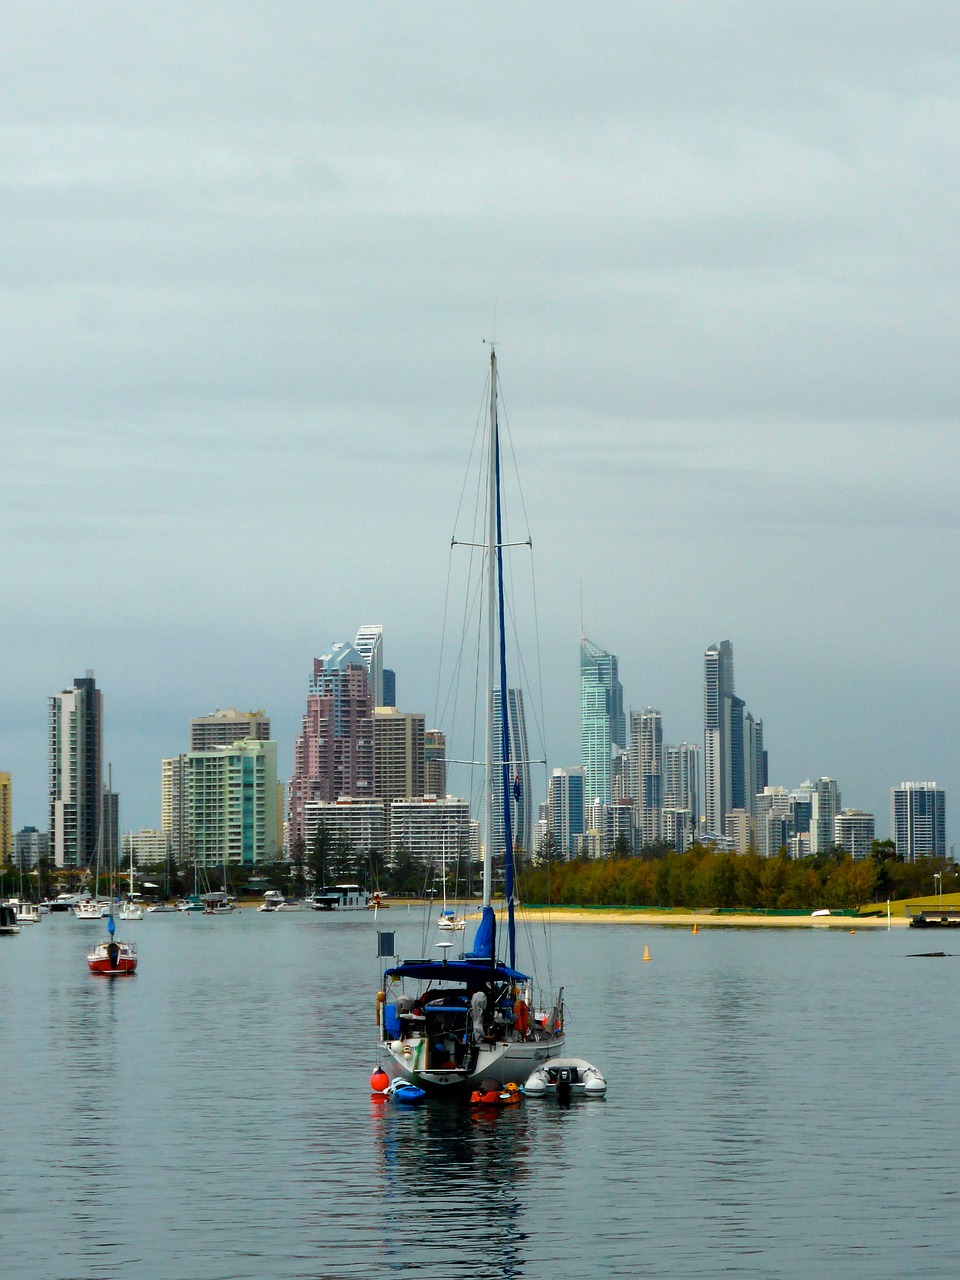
(602, 722)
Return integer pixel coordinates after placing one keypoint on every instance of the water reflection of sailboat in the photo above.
(476, 1184)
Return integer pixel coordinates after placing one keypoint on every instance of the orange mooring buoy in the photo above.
(646, 953)
(379, 1081)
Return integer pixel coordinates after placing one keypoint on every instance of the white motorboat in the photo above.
(218, 904)
(91, 909)
(26, 912)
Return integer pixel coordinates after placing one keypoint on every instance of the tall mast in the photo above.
(497, 663)
(491, 628)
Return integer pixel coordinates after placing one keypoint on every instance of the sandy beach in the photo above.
(709, 919)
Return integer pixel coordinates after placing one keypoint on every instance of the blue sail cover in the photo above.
(485, 939)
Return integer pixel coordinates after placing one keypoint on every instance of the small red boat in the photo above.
(113, 958)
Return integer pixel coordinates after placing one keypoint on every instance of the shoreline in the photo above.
(707, 919)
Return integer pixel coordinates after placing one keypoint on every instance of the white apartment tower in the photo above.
(853, 831)
(824, 807)
(681, 779)
(369, 645)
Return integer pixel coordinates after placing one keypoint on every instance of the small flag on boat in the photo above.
(385, 944)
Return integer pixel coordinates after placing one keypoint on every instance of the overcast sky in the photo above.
(250, 254)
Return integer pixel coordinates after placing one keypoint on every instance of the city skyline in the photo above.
(222, 725)
(246, 294)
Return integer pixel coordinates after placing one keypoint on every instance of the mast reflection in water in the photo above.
(452, 1179)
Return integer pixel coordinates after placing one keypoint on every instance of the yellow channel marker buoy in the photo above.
(646, 953)
(695, 927)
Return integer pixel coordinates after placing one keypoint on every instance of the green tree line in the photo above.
(701, 877)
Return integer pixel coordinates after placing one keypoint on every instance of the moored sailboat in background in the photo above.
(451, 1024)
(131, 909)
(448, 920)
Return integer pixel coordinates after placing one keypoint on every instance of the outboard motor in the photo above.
(565, 1080)
(113, 954)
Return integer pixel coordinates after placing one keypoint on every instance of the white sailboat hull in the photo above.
(505, 1061)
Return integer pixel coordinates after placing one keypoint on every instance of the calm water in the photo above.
(781, 1104)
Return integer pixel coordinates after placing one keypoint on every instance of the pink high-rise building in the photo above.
(333, 754)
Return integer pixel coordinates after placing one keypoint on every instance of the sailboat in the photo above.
(113, 958)
(131, 910)
(460, 1024)
(219, 904)
(92, 907)
(448, 919)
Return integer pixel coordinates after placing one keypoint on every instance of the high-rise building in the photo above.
(369, 645)
(853, 831)
(517, 758)
(333, 755)
(646, 754)
(29, 846)
(434, 829)
(754, 763)
(147, 846)
(110, 821)
(681, 779)
(233, 803)
(175, 807)
(361, 825)
(6, 818)
(398, 756)
(775, 820)
(717, 761)
(603, 724)
(676, 828)
(608, 829)
(734, 759)
(435, 763)
(739, 828)
(566, 804)
(919, 820)
(389, 687)
(222, 728)
(622, 775)
(824, 807)
(75, 779)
